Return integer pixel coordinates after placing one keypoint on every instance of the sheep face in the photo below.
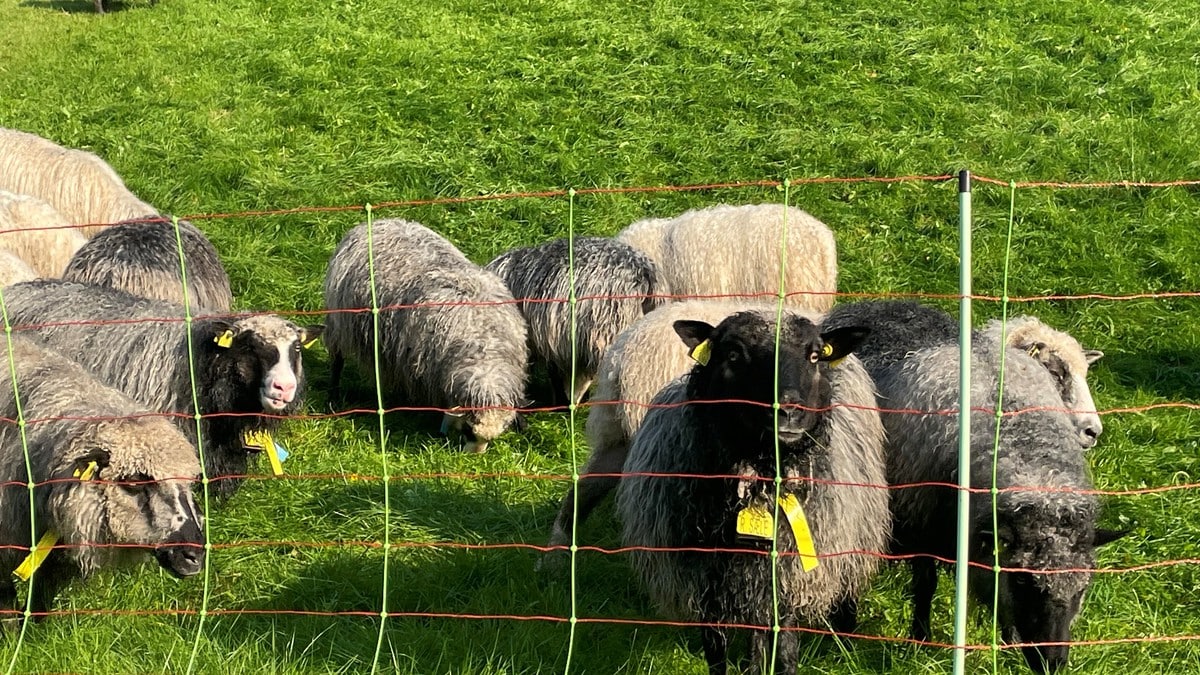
(260, 360)
(737, 362)
(138, 496)
(1039, 607)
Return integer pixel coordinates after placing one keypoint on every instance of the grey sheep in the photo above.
(901, 327)
(735, 250)
(828, 442)
(34, 232)
(450, 335)
(614, 286)
(643, 359)
(78, 184)
(142, 258)
(136, 499)
(1046, 524)
(249, 366)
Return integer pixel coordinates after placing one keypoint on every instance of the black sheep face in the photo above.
(258, 362)
(737, 362)
(1039, 602)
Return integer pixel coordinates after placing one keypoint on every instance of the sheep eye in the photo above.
(732, 357)
(813, 357)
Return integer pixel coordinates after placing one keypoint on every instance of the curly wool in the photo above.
(46, 251)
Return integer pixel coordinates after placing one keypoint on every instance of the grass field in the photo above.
(224, 107)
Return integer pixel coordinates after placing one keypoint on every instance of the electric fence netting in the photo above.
(377, 546)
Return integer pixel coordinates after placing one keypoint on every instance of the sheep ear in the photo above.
(839, 342)
(310, 334)
(1092, 355)
(1034, 349)
(1104, 536)
(218, 332)
(693, 332)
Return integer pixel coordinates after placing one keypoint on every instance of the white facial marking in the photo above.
(279, 382)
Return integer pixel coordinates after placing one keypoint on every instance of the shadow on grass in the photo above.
(1172, 374)
(77, 6)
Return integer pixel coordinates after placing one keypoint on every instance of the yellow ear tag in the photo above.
(758, 522)
(804, 541)
(1033, 350)
(87, 472)
(826, 351)
(309, 344)
(701, 353)
(225, 339)
(37, 555)
(262, 440)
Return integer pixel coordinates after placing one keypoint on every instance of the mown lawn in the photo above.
(234, 106)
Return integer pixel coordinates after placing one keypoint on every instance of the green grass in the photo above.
(222, 107)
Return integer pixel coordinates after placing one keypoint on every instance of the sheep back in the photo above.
(45, 250)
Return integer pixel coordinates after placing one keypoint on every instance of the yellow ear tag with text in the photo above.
(758, 522)
(262, 440)
(224, 340)
(37, 555)
(701, 353)
(804, 542)
(87, 472)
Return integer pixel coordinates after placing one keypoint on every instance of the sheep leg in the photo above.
(336, 363)
(589, 492)
(47, 582)
(925, 581)
(558, 384)
(716, 648)
(845, 616)
(8, 604)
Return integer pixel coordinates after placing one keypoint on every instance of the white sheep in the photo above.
(13, 270)
(735, 251)
(78, 184)
(36, 233)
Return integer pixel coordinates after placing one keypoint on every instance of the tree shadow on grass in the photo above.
(77, 6)
(1171, 374)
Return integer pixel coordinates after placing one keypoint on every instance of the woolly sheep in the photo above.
(830, 451)
(613, 283)
(142, 258)
(45, 250)
(14, 270)
(730, 250)
(458, 341)
(643, 359)
(249, 366)
(900, 327)
(137, 500)
(78, 184)
(1049, 526)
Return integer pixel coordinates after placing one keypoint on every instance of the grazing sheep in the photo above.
(900, 327)
(728, 454)
(14, 270)
(142, 258)
(643, 359)
(1044, 522)
(614, 285)
(78, 184)
(151, 510)
(250, 366)
(458, 341)
(735, 250)
(47, 251)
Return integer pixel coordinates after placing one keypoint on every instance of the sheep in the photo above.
(450, 335)
(249, 366)
(14, 270)
(614, 286)
(33, 231)
(643, 359)
(1046, 522)
(828, 445)
(142, 258)
(135, 472)
(735, 250)
(78, 184)
(900, 327)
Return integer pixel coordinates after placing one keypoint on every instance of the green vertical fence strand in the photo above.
(781, 296)
(962, 555)
(571, 407)
(30, 484)
(204, 479)
(387, 516)
(1012, 206)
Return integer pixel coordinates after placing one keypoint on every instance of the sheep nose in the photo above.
(1090, 436)
(284, 389)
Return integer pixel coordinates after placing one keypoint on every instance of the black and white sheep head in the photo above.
(1068, 362)
(126, 484)
(1050, 544)
(257, 362)
(736, 361)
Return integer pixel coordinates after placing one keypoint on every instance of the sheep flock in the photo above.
(747, 424)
